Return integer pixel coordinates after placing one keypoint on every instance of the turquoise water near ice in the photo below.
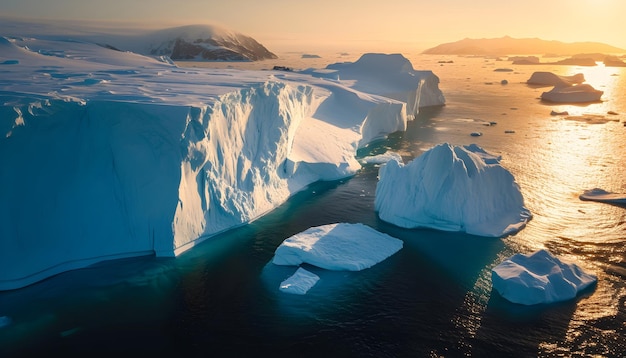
(432, 298)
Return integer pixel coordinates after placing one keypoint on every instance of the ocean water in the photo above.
(433, 298)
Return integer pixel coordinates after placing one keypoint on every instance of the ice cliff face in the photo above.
(235, 159)
(108, 154)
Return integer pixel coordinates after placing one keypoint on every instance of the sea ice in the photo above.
(603, 196)
(341, 246)
(389, 75)
(581, 93)
(300, 282)
(452, 188)
(115, 154)
(550, 79)
(538, 278)
(381, 158)
(143, 157)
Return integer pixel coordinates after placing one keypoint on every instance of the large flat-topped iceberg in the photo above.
(567, 89)
(114, 154)
(342, 247)
(452, 188)
(539, 278)
(388, 75)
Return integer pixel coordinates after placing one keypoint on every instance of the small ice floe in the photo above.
(539, 278)
(476, 134)
(508, 131)
(503, 70)
(504, 82)
(603, 196)
(300, 282)
(542, 78)
(381, 158)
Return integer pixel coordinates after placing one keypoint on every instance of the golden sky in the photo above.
(367, 24)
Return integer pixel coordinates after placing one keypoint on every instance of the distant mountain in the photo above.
(510, 46)
(193, 42)
(197, 42)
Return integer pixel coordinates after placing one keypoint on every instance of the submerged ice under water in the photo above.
(433, 298)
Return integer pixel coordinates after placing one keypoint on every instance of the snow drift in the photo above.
(452, 188)
(110, 154)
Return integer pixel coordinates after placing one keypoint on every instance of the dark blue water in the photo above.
(432, 298)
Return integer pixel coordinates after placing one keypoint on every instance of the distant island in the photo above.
(528, 46)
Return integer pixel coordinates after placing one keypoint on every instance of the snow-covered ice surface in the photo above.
(300, 282)
(452, 188)
(114, 154)
(538, 278)
(341, 246)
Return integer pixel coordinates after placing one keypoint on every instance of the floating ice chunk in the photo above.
(342, 246)
(454, 189)
(300, 282)
(573, 94)
(551, 79)
(601, 195)
(539, 278)
(5, 321)
(381, 158)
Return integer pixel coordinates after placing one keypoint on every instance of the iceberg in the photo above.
(452, 188)
(391, 76)
(603, 196)
(339, 247)
(542, 78)
(539, 278)
(581, 93)
(381, 158)
(113, 154)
